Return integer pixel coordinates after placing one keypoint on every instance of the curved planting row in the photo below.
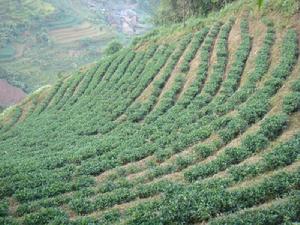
(169, 99)
(139, 110)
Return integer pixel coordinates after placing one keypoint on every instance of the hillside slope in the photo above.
(41, 39)
(194, 125)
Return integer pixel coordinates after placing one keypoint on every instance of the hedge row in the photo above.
(291, 102)
(139, 110)
(270, 128)
(282, 155)
(195, 203)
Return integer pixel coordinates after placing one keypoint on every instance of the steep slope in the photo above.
(190, 126)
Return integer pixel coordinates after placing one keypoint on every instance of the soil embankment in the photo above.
(9, 94)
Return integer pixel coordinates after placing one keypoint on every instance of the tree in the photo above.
(171, 11)
(113, 47)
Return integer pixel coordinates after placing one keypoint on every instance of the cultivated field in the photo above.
(204, 129)
(82, 31)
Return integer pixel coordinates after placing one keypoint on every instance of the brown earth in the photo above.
(9, 94)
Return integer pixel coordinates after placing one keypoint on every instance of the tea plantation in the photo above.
(193, 125)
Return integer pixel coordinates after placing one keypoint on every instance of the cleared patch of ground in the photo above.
(9, 94)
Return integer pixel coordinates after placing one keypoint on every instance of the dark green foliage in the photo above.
(171, 11)
(204, 150)
(296, 86)
(233, 128)
(163, 154)
(81, 206)
(4, 208)
(8, 221)
(291, 102)
(281, 155)
(45, 216)
(255, 142)
(274, 125)
(191, 203)
(284, 154)
(255, 109)
(113, 47)
(282, 212)
(270, 129)
(110, 217)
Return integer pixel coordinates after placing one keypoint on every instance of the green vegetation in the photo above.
(113, 47)
(288, 7)
(171, 11)
(189, 126)
(41, 40)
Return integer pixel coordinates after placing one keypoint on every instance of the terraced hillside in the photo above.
(200, 125)
(42, 39)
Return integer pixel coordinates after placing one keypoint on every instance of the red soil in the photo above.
(9, 94)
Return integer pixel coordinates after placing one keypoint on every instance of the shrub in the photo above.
(235, 127)
(3, 208)
(283, 212)
(163, 154)
(283, 154)
(255, 109)
(81, 206)
(44, 216)
(296, 86)
(255, 142)
(113, 47)
(203, 150)
(273, 126)
(291, 102)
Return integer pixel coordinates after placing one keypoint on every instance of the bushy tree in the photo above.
(171, 11)
(113, 47)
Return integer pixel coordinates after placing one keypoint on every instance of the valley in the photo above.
(69, 34)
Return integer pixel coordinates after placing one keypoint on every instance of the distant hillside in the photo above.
(40, 40)
(189, 125)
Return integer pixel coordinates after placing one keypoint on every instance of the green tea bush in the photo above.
(198, 38)
(113, 47)
(285, 211)
(44, 216)
(255, 142)
(4, 207)
(274, 125)
(291, 103)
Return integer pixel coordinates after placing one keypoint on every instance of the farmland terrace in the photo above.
(193, 125)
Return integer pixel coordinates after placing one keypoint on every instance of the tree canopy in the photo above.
(171, 11)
